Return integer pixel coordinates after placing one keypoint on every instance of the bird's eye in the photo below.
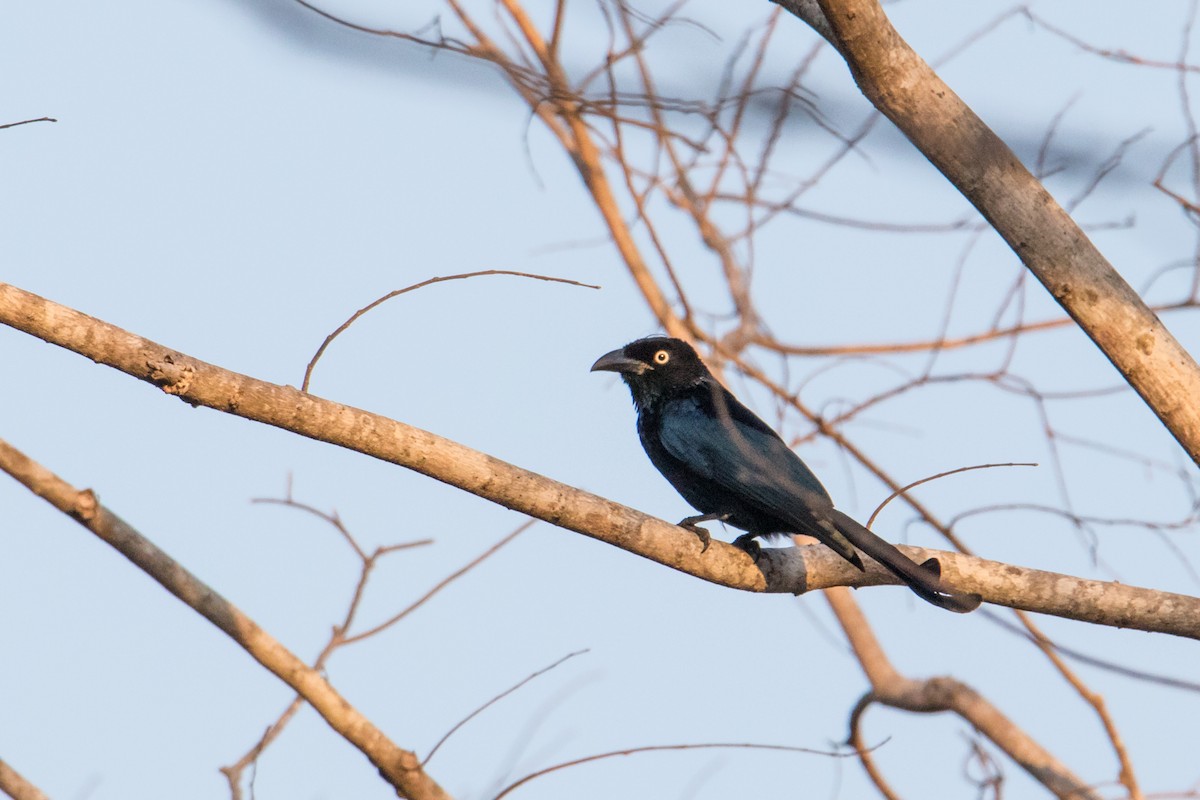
(662, 357)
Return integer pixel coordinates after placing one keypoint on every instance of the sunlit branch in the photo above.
(779, 570)
(16, 786)
(399, 767)
(901, 85)
(890, 688)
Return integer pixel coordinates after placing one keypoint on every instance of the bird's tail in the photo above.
(924, 579)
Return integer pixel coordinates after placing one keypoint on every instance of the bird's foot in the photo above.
(689, 523)
(749, 544)
(704, 536)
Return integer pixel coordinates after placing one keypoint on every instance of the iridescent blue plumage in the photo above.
(731, 466)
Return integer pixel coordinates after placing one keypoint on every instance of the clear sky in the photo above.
(233, 178)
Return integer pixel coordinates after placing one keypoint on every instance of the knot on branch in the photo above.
(408, 761)
(170, 376)
(85, 506)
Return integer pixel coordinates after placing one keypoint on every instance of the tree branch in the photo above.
(945, 129)
(892, 689)
(1108, 603)
(399, 767)
(811, 12)
(13, 784)
(792, 570)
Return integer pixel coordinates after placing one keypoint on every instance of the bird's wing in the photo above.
(740, 452)
(721, 440)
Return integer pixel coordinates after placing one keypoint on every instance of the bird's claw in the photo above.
(703, 535)
(689, 523)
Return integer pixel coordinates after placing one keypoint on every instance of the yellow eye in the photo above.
(662, 357)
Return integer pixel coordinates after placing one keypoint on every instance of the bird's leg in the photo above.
(748, 542)
(689, 523)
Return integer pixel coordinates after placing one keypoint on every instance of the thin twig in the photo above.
(367, 562)
(442, 584)
(454, 729)
(26, 122)
(668, 747)
(914, 484)
(440, 279)
(1092, 661)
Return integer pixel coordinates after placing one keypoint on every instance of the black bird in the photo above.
(732, 467)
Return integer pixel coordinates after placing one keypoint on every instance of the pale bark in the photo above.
(13, 784)
(398, 766)
(980, 165)
(793, 570)
(890, 688)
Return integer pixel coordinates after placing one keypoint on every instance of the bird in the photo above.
(734, 468)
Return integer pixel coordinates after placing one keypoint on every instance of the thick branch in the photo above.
(399, 767)
(1117, 605)
(201, 384)
(792, 570)
(13, 784)
(906, 90)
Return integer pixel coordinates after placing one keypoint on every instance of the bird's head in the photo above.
(654, 367)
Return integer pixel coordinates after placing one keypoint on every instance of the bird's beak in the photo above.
(617, 361)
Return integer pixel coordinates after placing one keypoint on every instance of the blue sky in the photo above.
(232, 179)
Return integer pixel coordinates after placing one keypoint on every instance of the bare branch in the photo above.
(458, 725)
(1121, 56)
(791, 570)
(442, 584)
(13, 784)
(1102, 602)
(940, 475)
(890, 688)
(1092, 698)
(399, 767)
(1169, 681)
(946, 343)
(339, 638)
(664, 748)
(26, 122)
(901, 85)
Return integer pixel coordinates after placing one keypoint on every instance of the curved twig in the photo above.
(947, 473)
(865, 757)
(26, 122)
(458, 725)
(664, 747)
(440, 279)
